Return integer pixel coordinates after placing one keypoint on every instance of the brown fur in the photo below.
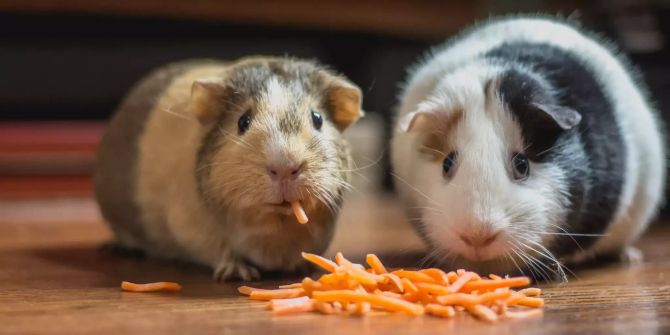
(200, 187)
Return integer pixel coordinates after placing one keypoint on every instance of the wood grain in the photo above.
(53, 279)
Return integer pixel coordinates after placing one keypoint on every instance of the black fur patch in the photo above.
(592, 154)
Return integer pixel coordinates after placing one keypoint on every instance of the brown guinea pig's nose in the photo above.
(285, 171)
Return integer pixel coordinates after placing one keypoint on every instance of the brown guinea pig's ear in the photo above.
(344, 101)
(206, 98)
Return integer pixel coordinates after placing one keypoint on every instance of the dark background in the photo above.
(66, 61)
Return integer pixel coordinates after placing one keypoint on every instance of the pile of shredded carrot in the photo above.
(353, 289)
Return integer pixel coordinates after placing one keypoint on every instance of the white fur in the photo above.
(452, 75)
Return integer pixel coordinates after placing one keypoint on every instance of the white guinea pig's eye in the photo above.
(449, 164)
(520, 166)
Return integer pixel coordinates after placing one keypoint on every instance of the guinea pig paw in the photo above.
(229, 270)
(632, 256)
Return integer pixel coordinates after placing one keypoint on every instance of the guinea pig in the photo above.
(203, 158)
(527, 144)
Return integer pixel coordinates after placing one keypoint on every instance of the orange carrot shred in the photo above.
(299, 212)
(408, 286)
(276, 294)
(151, 287)
(388, 303)
(293, 305)
(324, 263)
(324, 307)
(460, 282)
(484, 313)
(438, 275)
(452, 276)
(432, 288)
(375, 263)
(525, 301)
(395, 280)
(246, 290)
(439, 310)
(493, 284)
(531, 292)
(414, 276)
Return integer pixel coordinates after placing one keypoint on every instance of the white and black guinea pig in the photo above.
(526, 143)
(204, 157)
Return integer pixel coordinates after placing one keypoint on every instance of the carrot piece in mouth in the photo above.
(299, 212)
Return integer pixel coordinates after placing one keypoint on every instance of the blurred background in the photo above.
(65, 64)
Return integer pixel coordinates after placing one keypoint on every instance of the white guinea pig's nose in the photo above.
(480, 240)
(288, 171)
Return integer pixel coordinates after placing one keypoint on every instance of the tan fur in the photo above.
(224, 222)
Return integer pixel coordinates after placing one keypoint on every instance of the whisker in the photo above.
(414, 188)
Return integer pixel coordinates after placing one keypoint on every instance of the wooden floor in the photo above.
(53, 279)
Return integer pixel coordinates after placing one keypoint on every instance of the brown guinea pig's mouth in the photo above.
(281, 208)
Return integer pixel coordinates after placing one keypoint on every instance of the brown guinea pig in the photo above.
(203, 158)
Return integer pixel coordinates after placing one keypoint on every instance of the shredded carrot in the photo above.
(439, 310)
(292, 305)
(493, 284)
(246, 290)
(531, 292)
(452, 276)
(414, 276)
(299, 212)
(324, 307)
(391, 294)
(151, 287)
(324, 263)
(433, 288)
(522, 300)
(375, 264)
(484, 313)
(356, 290)
(284, 293)
(347, 264)
(361, 308)
(310, 285)
(395, 280)
(388, 303)
(438, 275)
(294, 285)
(460, 282)
(461, 299)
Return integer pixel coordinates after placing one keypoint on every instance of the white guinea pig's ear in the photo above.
(343, 100)
(206, 97)
(565, 118)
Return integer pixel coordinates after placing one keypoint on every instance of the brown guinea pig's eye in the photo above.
(243, 122)
(317, 120)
